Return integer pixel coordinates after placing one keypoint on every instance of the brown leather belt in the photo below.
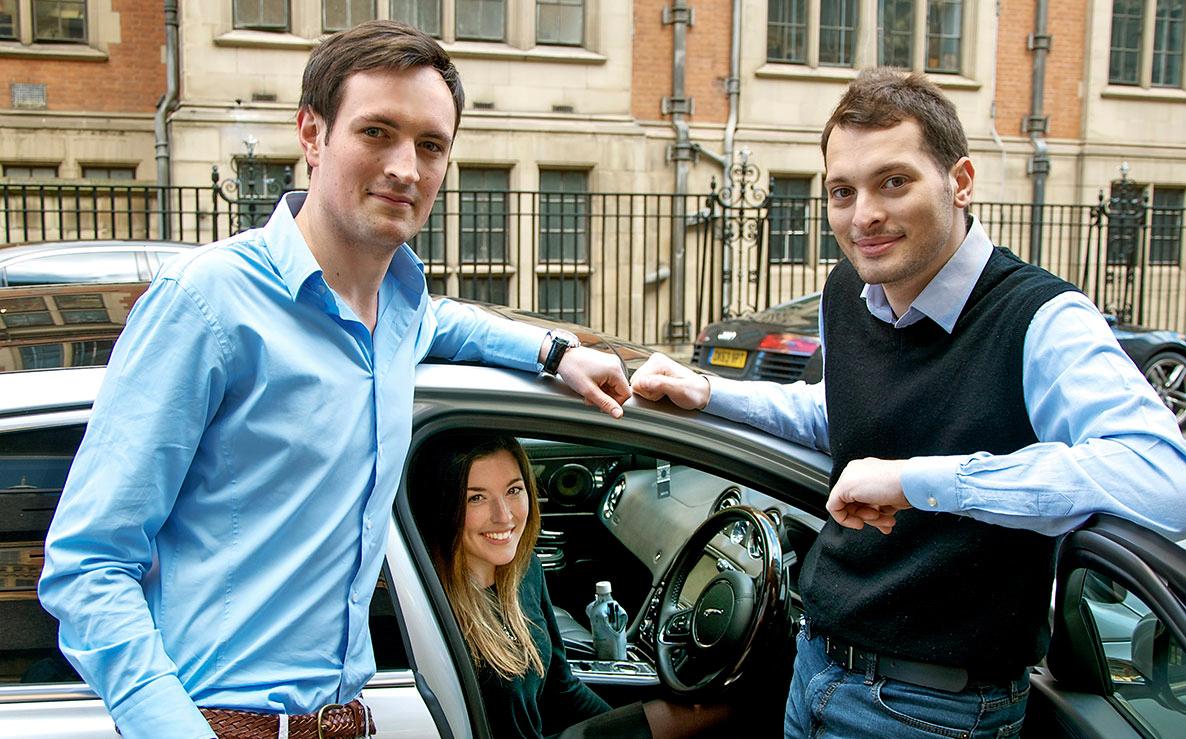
(333, 721)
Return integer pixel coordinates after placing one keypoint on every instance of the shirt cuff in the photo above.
(932, 483)
(518, 346)
(728, 399)
(161, 710)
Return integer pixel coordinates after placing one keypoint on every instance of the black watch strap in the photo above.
(560, 345)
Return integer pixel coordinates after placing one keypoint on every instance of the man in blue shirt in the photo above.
(974, 406)
(223, 525)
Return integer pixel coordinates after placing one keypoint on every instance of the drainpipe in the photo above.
(996, 136)
(1036, 125)
(679, 16)
(161, 119)
(733, 90)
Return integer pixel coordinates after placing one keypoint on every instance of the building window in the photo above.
(59, 21)
(9, 24)
(1147, 54)
(262, 15)
(108, 173)
(786, 31)
(481, 20)
(837, 33)
(560, 22)
(944, 24)
(924, 35)
(31, 171)
(484, 214)
(487, 288)
(564, 216)
(338, 15)
(423, 14)
(23, 312)
(1167, 44)
(429, 244)
(790, 206)
(565, 298)
(41, 356)
(1165, 233)
(829, 248)
(902, 26)
(895, 33)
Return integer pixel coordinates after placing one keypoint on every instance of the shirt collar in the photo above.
(944, 297)
(286, 245)
(296, 264)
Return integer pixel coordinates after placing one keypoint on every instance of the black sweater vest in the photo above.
(941, 588)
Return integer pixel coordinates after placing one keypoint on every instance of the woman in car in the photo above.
(481, 536)
(480, 519)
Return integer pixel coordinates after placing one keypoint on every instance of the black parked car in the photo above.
(782, 344)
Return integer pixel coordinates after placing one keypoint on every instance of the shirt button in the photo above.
(354, 597)
(932, 502)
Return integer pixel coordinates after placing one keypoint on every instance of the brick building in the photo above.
(79, 81)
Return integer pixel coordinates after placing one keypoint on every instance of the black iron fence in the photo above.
(654, 268)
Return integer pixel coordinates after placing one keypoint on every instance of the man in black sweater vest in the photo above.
(975, 407)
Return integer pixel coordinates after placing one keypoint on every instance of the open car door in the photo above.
(1116, 667)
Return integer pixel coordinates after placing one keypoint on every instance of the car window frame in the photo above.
(1148, 565)
(559, 418)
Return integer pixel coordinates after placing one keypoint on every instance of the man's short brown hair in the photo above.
(884, 97)
(378, 44)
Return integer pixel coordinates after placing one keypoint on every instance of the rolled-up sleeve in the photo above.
(164, 383)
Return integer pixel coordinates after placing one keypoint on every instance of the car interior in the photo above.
(668, 536)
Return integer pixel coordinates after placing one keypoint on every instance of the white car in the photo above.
(662, 502)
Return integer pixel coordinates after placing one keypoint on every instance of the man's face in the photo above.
(376, 175)
(897, 216)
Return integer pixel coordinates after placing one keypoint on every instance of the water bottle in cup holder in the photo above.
(607, 621)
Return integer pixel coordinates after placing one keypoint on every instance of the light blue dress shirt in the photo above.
(1106, 443)
(223, 525)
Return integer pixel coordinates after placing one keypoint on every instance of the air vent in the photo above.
(562, 109)
(263, 97)
(483, 105)
(28, 95)
(728, 499)
(613, 498)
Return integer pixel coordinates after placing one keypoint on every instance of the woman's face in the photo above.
(496, 508)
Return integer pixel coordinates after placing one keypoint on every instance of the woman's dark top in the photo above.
(530, 705)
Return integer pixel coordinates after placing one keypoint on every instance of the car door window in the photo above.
(1146, 664)
(33, 467)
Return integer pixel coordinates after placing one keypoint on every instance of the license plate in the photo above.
(728, 357)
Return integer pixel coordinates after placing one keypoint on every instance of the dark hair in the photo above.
(378, 44)
(493, 624)
(884, 97)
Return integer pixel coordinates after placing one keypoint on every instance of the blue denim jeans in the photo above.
(829, 702)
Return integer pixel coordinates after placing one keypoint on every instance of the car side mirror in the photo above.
(1160, 659)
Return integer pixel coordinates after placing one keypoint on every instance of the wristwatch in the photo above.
(560, 345)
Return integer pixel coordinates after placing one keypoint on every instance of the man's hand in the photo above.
(661, 376)
(869, 492)
(597, 376)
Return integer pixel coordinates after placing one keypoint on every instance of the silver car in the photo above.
(55, 262)
(664, 503)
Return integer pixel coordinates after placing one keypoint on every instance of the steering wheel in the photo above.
(704, 647)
